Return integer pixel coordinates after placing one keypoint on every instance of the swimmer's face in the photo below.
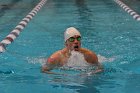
(74, 43)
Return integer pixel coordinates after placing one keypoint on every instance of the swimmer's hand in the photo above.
(45, 70)
(98, 70)
(48, 66)
(48, 72)
(95, 72)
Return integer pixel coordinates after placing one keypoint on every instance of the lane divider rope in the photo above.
(16, 31)
(130, 11)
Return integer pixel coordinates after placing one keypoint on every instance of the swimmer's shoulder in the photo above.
(56, 56)
(89, 52)
(59, 54)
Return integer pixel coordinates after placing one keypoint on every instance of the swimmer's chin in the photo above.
(76, 49)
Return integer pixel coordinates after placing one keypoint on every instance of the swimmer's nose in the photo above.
(76, 41)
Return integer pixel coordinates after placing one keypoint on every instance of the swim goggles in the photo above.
(71, 39)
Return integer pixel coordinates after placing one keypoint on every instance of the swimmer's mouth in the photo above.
(76, 48)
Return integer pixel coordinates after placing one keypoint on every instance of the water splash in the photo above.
(104, 59)
(77, 62)
(36, 60)
(76, 59)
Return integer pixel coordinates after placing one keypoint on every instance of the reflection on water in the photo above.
(85, 83)
(6, 72)
(5, 7)
(84, 14)
(81, 84)
(132, 84)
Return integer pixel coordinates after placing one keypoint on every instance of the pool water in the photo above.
(106, 29)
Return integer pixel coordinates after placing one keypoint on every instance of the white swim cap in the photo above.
(70, 32)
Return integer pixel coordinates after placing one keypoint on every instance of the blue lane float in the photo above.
(130, 11)
(16, 31)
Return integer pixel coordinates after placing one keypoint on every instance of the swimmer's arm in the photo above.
(96, 63)
(45, 69)
(99, 66)
(48, 72)
(49, 65)
(97, 71)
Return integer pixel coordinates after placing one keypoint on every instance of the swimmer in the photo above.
(60, 58)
